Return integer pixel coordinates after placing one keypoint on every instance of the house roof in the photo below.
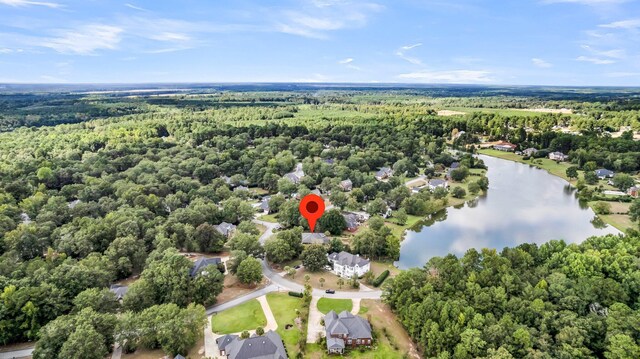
(346, 184)
(119, 290)
(351, 219)
(531, 149)
(267, 346)
(354, 326)
(314, 238)
(225, 340)
(455, 165)
(383, 171)
(225, 228)
(348, 259)
(202, 262)
(603, 172)
(264, 204)
(335, 343)
(437, 182)
(179, 357)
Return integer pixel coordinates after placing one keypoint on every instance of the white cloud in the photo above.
(623, 24)
(20, 3)
(453, 76)
(540, 63)
(131, 6)
(402, 53)
(595, 60)
(348, 60)
(85, 40)
(348, 63)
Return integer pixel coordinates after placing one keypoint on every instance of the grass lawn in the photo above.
(331, 280)
(378, 267)
(246, 316)
(338, 305)
(284, 308)
(269, 218)
(398, 230)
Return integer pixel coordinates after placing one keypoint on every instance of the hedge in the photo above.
(296, 294)
(381, 278)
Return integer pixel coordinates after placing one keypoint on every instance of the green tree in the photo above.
(377, 207)
(333, 221)
(590, 177)
(459, 174)
(84, 343)
(314, 257)
(572, 172)
(260, 331)
(321, 280)
(474, 188)
(623, 181)
(127, 254)
(101, 300)
(250, 271)
(340, 283)
(401, 216)
(338, 199)
(208, 239)
(278, 250)
(634, 210)
(458, 192)
(207, 285)
(602, 207)
(247, 243)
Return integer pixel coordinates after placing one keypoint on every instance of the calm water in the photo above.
(523, 205)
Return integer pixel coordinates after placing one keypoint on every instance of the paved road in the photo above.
(22, 353)
(270, 228)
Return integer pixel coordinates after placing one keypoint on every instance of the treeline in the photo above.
(549, 301)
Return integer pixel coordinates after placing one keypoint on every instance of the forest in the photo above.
(97, 188)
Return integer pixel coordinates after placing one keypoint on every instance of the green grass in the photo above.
(269, 218)
(284, 308)
(338, 305)
(398, 230)
(246, 316)
(381, 351)
(500, 111)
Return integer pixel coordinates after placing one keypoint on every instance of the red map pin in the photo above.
(312, 208)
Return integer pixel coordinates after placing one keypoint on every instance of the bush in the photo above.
(295, 294)
(381, 278)
(602, 208)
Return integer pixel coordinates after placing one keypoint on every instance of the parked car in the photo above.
(330, 291)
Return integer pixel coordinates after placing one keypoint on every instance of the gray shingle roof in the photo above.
(346, 185)
(348, 259)
(201, 263)
(179, 357)
(603, 172)
(225, 228)
(335, 343)
(315, 238)
(119, 290)
(267, 346)
(384, 171)
(351, 219)
(355, 327)
(437, 182)
(225, 340)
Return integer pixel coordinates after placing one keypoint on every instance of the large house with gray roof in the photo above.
(267, 346)
(201, 263)
(346, 330)
(315, 238)
(226, 229)
(346, 264)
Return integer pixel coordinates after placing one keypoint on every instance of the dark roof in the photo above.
(225, 340)
(179, 357)
(225, 228)
(455, 165)
(353, 326)
(604, 172)
(314, 238)
(201, 263)
(119, 290)
(383, 171)
(267, 346)
(348, 259)
(351, 219)
(437, 182)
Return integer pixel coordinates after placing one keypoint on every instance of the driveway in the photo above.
(314, 328)
(270, 228)
(21, 353)
(271, 320)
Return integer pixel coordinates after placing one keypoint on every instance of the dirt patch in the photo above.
(450, 113)
(233, 288)
(386, 325)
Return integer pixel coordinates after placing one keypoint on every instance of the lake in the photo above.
(524, 204)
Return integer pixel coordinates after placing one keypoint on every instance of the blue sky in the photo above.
(522, 42)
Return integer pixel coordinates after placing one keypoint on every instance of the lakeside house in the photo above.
(346, 330)
(346, 185)
(226, 229)
(315, 238)
(558, 156)
(267, 346)
(603, 173)
(529, 152)
(384, 173)
(119, 290)
(346, 264)
(505, 146)
(201, 263)
(437, 183)
(633, 191)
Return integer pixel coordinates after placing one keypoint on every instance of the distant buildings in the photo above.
(226, 229)
(346, 330)
(529, 152)
(603, 173)
(384, 173)
(346, 264)
(437, 183)
(267, 346)
(504, 146)
(558, 156)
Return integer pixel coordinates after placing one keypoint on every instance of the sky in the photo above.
(498, 42)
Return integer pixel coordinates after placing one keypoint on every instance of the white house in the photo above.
(438, 183)
(558, 156)
(346, 264)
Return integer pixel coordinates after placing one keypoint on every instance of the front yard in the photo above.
(325, 305)
(246, 316)
(330, 280)
(284, 308)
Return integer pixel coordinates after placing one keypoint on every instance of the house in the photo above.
(352, 221)
(296, 175)
(346, 330)
(633, 191)
(119, 290)
(226, 229)
(267, 346)
(179, 357)
(415, 189)
(264, 204)
(201, 263)
(603, 173)
(437, 183)
(346, 264)
(558, 156)
(454, 165)
(504, 146)
(457, 135)
(241, 188)
(226, 179)
(529, 152)
(329, 161)
(346, 185)
(384, 173)
(223, 341)
(316, 192)
(315, 238)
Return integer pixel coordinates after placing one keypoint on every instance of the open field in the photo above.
(246, 316)
(325, 305)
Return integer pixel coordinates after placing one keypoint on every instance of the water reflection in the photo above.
(524, 205)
